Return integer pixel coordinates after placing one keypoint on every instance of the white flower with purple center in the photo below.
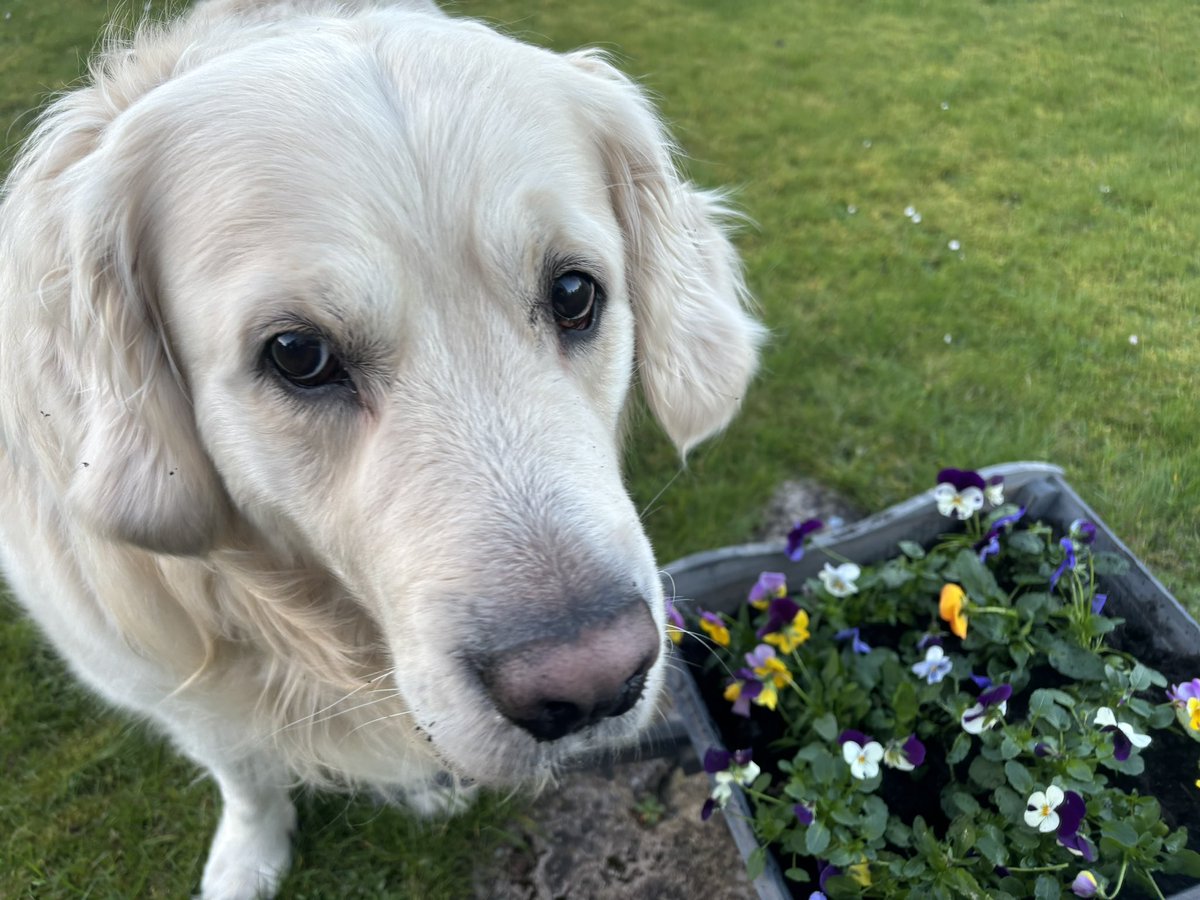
(904, 756)
(1124, 736)
(989, 711)
(727, 769)
(840, 581)
(959, 493)
(934, 667)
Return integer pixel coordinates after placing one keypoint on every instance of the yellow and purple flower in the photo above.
(714, 626)
(1085, 884)
(786, 626)
(676, 626)
(1185, 698)
(770, 586)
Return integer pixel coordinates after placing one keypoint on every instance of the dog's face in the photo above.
(397, 277)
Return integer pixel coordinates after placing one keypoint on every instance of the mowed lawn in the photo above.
(1055, 143)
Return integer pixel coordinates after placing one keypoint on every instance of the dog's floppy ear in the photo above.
(139, 473)
(697, 345)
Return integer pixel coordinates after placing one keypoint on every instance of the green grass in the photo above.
(1064, 164)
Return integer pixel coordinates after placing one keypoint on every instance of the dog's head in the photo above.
(374, 292)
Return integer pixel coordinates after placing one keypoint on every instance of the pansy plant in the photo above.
(947, 722)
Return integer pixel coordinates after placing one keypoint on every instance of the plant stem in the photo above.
(1056, 868)
(1120, 878)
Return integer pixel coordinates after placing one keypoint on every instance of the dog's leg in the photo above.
(252, 848)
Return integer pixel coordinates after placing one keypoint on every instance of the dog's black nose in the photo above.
(552, 688)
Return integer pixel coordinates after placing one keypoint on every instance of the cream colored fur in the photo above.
(286, 587)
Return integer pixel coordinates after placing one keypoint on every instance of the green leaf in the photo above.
(1075, 662)
(1121, 832)
(1106, 563)
(976, 579)
(987, 774)
(912, 549)
(1018, 777)
(1079, 770)
(893, 575)
(800, 876)
(816, 839)
(1183, 862)
(959, 749)
(1033, 603)
(756, 862)
(1047, 887)
(991, 847)
(1025, 542)
(905, 706)
(1010, 803)
(1043, 705)
(826, 726)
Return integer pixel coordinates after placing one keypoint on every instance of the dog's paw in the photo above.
(250, 854)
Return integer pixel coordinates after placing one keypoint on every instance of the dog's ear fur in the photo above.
(136, 468)
(697, 345)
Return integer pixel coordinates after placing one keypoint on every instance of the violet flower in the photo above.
(857, 644)
(795, 537)
(1067, 563)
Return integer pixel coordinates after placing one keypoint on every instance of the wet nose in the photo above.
(552, 687)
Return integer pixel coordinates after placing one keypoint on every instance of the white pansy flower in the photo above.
(1040, 812)
(863, 759)
(840, 581)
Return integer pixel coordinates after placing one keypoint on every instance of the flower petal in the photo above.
(1105, 716)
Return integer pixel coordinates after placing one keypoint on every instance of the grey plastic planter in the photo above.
(719, 580)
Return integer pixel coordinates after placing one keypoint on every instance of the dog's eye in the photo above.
(573, 299)
(305, 359)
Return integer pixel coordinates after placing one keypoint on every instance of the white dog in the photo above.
(317, 322)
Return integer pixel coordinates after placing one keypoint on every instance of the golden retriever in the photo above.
(317, 325)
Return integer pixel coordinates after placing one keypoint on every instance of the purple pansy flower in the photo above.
(858, 737)
(1083, 531)
(795, 537)
(803, 814)
(934, 667)
(857, 644)
(1067, 563)
(961, 479)
(981, 681)
(827, 871)
(1070, 814)
(1098, 603)
(726, 768)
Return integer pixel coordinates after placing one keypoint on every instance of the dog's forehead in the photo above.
(426, 134)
